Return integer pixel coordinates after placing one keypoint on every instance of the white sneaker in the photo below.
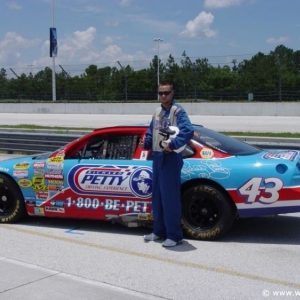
(170, 243)
(151, 237)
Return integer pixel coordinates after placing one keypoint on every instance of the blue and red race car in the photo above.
(104, 175)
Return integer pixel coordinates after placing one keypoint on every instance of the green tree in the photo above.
(3, 83)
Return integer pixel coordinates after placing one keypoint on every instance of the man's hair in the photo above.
(166, 83)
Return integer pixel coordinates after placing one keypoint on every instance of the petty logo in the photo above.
(141, 182)
(101, 180)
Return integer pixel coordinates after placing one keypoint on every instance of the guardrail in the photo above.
(43, 141)
(34, 142)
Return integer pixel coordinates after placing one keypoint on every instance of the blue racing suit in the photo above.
(166, 195)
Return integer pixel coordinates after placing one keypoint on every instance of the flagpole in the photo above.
(53, 62)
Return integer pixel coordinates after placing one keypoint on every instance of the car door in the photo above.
(109, 179)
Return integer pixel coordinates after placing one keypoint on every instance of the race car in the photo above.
(104, 175)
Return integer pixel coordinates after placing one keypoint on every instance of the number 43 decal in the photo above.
(254, 191)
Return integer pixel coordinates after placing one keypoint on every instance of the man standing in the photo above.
(167, 164)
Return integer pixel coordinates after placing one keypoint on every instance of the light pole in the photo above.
(31, 65)
(53, 60)
(158, 40)
(125, 77)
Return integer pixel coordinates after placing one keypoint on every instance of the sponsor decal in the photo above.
(54, 176)
(20, 174)
(39, 165)
(38, 183)
(39, 172)
(145, 217)
(42, 195)
(206, 153)
(143, 155)
(56, 159)
(25, 183)
(109, 204)
(4, 169)
(281, 154)
(33, 202)
(39, 211)
(21, 166)
(55, 182)
(57, 203)
(29, 201)
(54, 209)
(101, 180)
(55, 188)
(54, 168)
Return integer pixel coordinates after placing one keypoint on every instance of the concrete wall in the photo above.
(221, 109)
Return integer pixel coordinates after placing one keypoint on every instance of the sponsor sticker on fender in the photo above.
(39, 211)
(25, 183)
(20, 174)
(55, 209)
(21, 166)
(206, 153)
(54, 176)
(56, 159)
(38, 165)
(281, 154)
(42, 195)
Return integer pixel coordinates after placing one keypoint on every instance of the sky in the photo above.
(103, 32)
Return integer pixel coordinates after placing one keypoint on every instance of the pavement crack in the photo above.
(30, 282)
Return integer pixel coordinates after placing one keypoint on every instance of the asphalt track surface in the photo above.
(219, 123)
(76, 259)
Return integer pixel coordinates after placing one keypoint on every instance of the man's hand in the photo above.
(141, 144)
(166, 147)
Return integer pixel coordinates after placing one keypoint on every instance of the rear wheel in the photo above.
(207, 212)
(12, 207)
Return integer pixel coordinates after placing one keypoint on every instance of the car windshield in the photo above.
(222, 142)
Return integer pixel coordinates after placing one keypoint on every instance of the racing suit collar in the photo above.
(172, 102)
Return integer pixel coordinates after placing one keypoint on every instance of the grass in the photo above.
(37, 127)
(265, 134)
(231, 133)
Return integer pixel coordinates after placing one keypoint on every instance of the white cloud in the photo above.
(12, 47)
(112, 24)
(12, 40)
(76, 48)
(13, 5)
(200, 26)
(125, 2)
(75, 52)
(160, 25)
(80, 49)
(164, 49)
(280, 40)
(83, 39)
(221, 3)
(93, 9)
(108, 40)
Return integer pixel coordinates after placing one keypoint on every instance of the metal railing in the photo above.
(34, 142)
(44, 141)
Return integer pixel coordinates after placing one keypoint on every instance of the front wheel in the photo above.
(12, 207)
(207, 212)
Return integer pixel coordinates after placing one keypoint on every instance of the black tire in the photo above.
(207, 212)
(12, 207)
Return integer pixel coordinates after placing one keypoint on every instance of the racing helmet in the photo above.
(170, 134)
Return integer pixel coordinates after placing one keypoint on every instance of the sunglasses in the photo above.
(164, 93)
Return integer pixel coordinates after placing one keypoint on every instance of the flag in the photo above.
(53, 42)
